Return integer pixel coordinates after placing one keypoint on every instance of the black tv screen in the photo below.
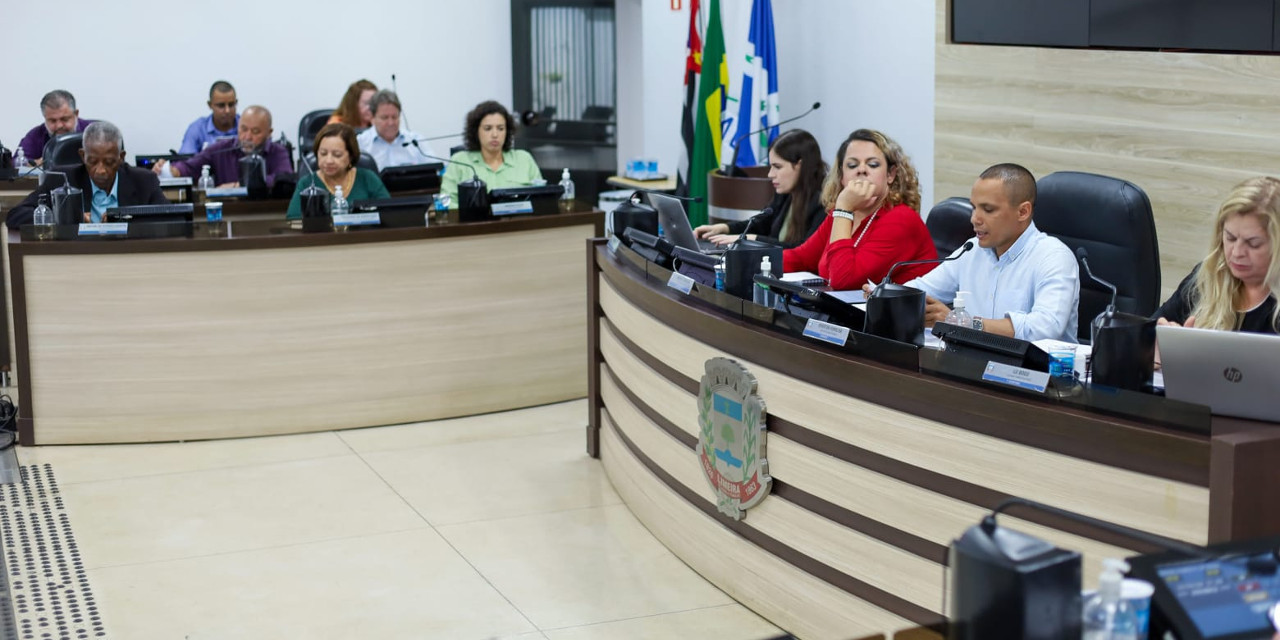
(1226, 25)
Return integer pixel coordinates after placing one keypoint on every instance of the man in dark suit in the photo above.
(103, 176)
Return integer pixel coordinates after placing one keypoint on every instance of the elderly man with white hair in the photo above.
(104, 177)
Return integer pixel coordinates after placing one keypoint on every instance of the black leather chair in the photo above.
(1111, 218)
(949, 224)
(456, 148)
(308, 127)
(365, 161)
(63, 151)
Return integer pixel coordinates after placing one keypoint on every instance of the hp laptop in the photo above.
(1234, 373)
(675, 224)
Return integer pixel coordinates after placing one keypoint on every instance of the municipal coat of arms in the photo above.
(731, 438)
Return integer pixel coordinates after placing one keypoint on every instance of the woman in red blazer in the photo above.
(874, 198)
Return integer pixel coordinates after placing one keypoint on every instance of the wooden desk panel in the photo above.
(876, 469)
(133, 341)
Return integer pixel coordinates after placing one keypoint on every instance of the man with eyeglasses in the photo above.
(220, 124)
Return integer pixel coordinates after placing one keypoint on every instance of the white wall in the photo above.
(147, 66)
(870, 63)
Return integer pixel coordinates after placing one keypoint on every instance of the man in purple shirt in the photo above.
(223, 156)
(60, 116)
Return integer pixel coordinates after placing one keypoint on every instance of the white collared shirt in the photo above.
(395, 153)
(1036, 284)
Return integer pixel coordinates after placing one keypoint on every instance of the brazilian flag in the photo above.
(713, 90)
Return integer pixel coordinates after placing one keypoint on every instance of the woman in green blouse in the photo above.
(336, 155)
(489, 134)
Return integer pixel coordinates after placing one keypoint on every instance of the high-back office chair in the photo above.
(949, 225)
(1111, 218)
(456, 148)
(63, 151)
(365, 161)
(308, 127)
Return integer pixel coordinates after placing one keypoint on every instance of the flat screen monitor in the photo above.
(544, 199)
(411, 177)
(407, 211)
(151, 213)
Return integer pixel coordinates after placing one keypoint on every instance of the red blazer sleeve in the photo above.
(806, 256)
(895, 235)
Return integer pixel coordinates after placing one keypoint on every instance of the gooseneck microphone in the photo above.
(747, 229)
(1082, 255)
(731, 167)
(888, 277)
(475, 175)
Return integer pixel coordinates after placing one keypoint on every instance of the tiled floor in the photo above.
(495, 526)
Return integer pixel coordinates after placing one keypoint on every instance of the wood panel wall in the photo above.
(1185, 127)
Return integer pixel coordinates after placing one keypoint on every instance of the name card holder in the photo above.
(680, 282)
(826, 332)
(103, 229)
(1016, 377)
(356, 219)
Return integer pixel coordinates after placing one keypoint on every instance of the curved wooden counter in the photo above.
(273, 331)
(875, 468)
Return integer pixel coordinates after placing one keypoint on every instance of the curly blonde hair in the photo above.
(905, 188)
(1218, 293)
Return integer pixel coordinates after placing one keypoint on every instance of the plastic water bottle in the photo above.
(760, 293)
(959, 316)
(19, 158)
(339, 206)
(566, 198)
(43, 218)
(204, 184)
(720, 275)
(1106, 615)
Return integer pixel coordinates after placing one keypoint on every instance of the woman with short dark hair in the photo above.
(489, 134)
(336, 155)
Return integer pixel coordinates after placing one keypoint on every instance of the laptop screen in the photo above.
(1233, 373)
(674, 221)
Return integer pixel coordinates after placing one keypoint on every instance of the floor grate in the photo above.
(47, 593)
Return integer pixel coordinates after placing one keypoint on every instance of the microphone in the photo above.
(473, 193)
(1082, 255)
(743, 236)
(888, 277)
(731, 167)
(443, 137)
(669, 195)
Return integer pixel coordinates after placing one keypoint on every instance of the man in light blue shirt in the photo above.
(389, 146)
(221, 123)
(1022, 283)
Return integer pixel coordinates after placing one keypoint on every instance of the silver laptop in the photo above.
(1234, 373)
(675, 224)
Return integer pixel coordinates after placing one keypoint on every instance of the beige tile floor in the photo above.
(495, 526)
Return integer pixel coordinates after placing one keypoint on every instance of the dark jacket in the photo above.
(768, 227)
(136, 186)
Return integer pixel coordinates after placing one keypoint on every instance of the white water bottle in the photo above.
(566, 198)
(959, 316)
(760, 293)
(1106, 615)
(42, 219)
(339, 206)
(206, 181)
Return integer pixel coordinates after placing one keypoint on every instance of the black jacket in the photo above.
(767, 228)
(135, 186)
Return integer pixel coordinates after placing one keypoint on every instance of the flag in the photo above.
(757, 91)
(707, 130)
(692, 67)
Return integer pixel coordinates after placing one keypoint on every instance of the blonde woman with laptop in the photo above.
(1234, 288)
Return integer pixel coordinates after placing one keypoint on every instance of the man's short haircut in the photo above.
(1019, 184)
(221, 86)
(103, 132)
(57, 98)
(386, 96)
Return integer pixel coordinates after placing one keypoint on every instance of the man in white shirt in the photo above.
(1022, 283)
(389, 146)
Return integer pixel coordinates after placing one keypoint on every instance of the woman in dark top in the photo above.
(1234, 288)
(797, 171)
(336, 154)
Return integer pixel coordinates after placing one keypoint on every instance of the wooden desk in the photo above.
(275, 331)
(877, 468)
